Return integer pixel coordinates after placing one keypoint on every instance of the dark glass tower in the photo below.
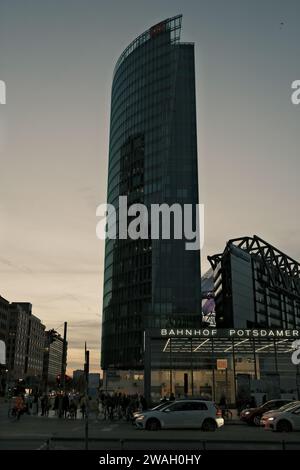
(152, 159)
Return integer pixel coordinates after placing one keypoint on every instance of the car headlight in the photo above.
(140, 418)
(271, 419)
(247, 412)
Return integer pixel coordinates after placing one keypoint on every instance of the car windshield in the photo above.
(289, 406)
(161, 405)
(270, 405)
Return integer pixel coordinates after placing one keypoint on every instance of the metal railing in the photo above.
(124, 444)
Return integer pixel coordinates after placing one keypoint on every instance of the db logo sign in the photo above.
(2, 352)
(296, 353)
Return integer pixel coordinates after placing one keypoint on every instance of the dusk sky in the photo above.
(57, 59)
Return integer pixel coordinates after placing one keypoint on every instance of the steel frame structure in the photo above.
(283, 271)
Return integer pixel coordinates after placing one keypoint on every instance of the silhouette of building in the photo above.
(152, 159)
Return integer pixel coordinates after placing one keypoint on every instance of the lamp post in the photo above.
(9, 364)
(86, 373)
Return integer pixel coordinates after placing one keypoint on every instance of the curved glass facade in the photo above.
(152, 159)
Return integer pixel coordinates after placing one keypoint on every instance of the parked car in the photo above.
(252, 416)
(285, 421)
(269, 414)
(201, 414)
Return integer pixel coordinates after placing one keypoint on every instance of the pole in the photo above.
(9, 364)
(64, 360)
(86, 369)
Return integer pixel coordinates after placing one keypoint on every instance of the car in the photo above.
(252, 416)
(285, 421)
(136, 414)
(187, 414)
(269, 414)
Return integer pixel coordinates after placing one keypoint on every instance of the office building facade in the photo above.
(249, 348)
(152, 160)
(24, 344)
(255, 285)
(4, 318)
(53, 357)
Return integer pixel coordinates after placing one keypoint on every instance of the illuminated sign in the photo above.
(157, 29)
(222, 364)
(229, 333)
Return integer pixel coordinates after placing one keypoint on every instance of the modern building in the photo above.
(53, 357)
(77, 375)
(212, 362)
(94, 384)
(4, 317)
(4, 321)
(25, 344)
(255, 296)
(208, 301)
(255, 285)
(80, 383)
(150, 283)
(17, 341)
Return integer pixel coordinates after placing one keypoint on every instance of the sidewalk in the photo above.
(235, 420)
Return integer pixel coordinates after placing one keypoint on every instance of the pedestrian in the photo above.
(73, 409)
(43, 404)
(83, 406)
(65, 405)
(223, 404)
(56, 405)
(60, 406)
(35, 404)
(143, 402)
(19, 406)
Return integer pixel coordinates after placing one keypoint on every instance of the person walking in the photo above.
(223, 405)
(83, 406)
(44, 405)
(55, 405)
(19, 406)
(143, 402)
(73, 409)
(35, 404)
(65, 405)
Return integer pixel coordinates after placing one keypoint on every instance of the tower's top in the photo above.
(171, 24)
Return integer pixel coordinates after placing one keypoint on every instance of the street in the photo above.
(33, 432)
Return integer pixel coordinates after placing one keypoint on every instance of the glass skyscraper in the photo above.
(152, 159)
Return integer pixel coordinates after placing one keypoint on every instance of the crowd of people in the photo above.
(64, 405)
(117, 406)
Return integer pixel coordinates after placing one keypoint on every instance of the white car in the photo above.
(285, 421)
(271, 413)
(182, 414)
(136, 414)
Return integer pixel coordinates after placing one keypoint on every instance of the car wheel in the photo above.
(256, 420)
(209, 425)
(284, 426)
(153, 424)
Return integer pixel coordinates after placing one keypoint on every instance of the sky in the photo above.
(57, 60)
